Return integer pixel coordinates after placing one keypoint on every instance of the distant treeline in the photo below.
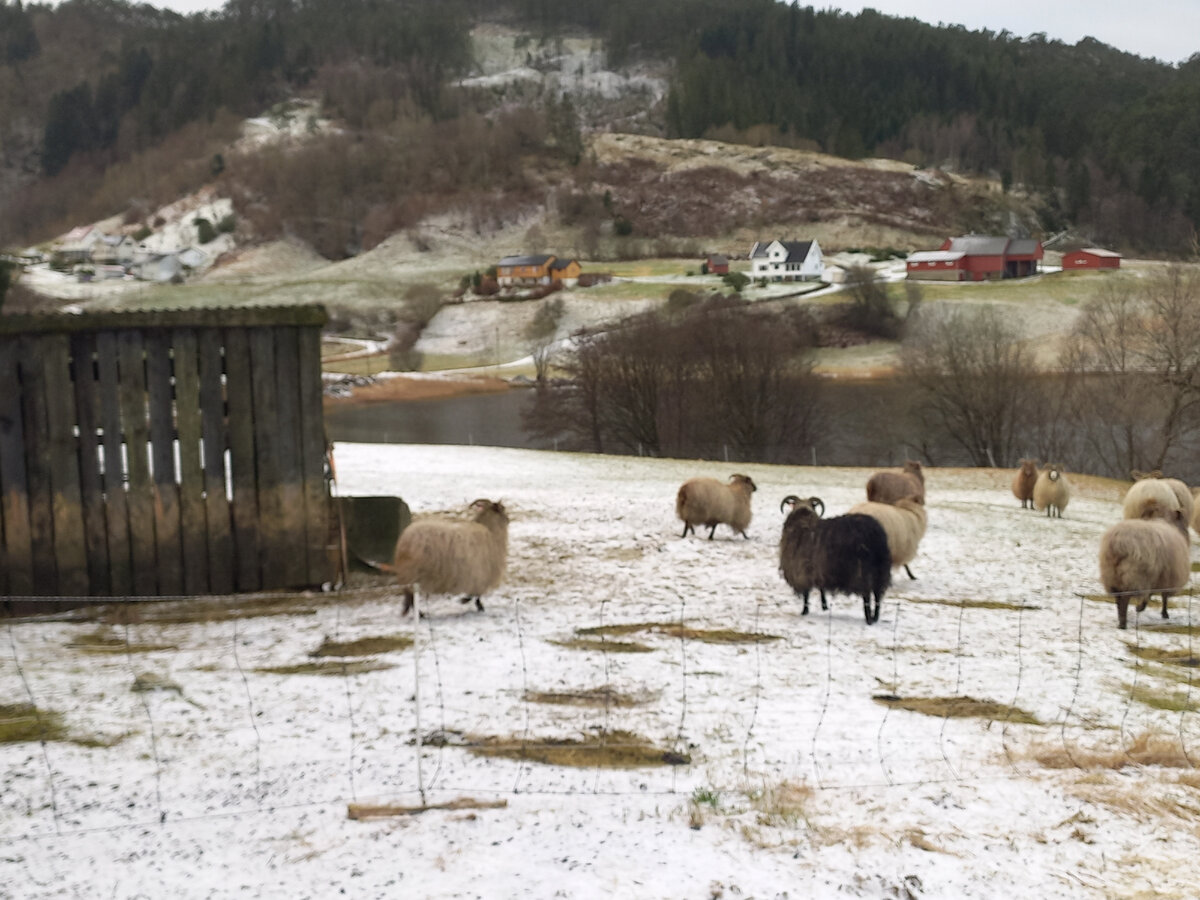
(1104, 140)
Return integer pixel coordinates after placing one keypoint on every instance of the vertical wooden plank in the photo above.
(167, 522)
(268, 448)
(320, 555)
(14, 506)
(91, 482)
(140, 487)
(191, 468)
(37, 465)
(70, 546)
(291, 472)
(242, 458)
(116, 506)
(221, 563)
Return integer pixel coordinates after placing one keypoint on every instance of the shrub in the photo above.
(205, 231)
(227, 224)
(736, 280)
(142, 233)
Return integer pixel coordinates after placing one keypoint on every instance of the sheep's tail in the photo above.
(681, 500)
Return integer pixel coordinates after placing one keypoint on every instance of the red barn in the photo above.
(717, 264)
(1091, 258)
(978, 257)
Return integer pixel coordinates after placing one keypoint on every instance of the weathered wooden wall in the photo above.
(163, 453)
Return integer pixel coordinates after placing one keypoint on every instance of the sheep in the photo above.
(888, 487)
(1195, 518)
(1023, 482)
(904, 524)
(706, 501)
(1140, 557)
(1184, 495)
(847, 553)
(450, 557)
(1051, 491)
(1149, 495)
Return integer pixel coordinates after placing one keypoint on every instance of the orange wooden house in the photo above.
(540, 269)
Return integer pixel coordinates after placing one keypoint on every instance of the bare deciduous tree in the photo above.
(968, 370)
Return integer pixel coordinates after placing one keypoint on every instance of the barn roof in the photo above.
(1096, 251)
(979, 245)
(935, 256)
(1023, 246)
(717, 259)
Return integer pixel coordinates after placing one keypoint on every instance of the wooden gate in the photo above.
(163, 453)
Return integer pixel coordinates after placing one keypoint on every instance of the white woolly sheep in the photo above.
(1184, 495)
(1195, 517)
(440, 556)
(1023, 482)
(888, 486)
(1140, 557)
(904, 524)
(1051, 491)
(1149, 496)
(706, 501)
(848, 554)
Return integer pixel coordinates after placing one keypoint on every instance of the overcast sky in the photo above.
(1168, 30)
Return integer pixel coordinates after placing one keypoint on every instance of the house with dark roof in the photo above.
(524, 269)
(716, 264)
(786, 261)
(976, 257)
(565, 272)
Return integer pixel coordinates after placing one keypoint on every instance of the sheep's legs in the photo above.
(687, 526)
(711, 532)
(909, 571)
(1122, 611)
(468, 599)
(408, 601)
(872, 616)
(1164, 609)
(804, 612)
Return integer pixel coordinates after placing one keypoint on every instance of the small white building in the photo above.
(786, 261)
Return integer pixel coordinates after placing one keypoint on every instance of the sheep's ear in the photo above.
(816, 502)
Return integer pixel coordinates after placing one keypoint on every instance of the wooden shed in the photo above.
(1091, 258)
(163, 453)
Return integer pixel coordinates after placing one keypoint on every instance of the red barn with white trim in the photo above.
(1091, 258)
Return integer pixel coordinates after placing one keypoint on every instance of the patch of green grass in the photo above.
(368, 646)
(603, 646)
(600, 697)
(706, 796)
(613, 750)
(675, 630)
(332, 667)
(959, 708)
(973, 604)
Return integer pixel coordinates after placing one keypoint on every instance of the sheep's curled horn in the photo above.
(792, 500)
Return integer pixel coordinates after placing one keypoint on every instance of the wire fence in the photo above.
(703, 709)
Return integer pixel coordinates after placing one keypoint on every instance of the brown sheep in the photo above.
(888, 486)
(1023, 482)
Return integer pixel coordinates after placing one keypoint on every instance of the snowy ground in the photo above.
(237, 782)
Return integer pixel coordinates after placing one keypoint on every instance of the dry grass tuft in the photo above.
(600, 697)
(332, 667)
(959, 708)
(1147, 749)
(604, 646)
(782, 805)
(1157, 698)
(1161, 655)
(675, 630)
(24, 722)
(209, 609)
(105, 642)
(614, 750)
(973, 604)
(368, 646)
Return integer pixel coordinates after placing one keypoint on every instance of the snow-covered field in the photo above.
(794, 781)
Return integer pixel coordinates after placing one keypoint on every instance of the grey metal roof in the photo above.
(718, 260)
(526, 260)
(1022, 247)
(979, 245)
(797, 251)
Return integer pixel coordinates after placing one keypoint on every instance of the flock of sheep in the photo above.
(855, 553)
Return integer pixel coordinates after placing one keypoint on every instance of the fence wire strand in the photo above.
(143, 696)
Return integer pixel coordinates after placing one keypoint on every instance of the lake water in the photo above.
(861, 431)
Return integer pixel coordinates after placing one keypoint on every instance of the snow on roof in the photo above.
(936, 256)
(1096, 251)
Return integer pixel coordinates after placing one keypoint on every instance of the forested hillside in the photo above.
(108, 107)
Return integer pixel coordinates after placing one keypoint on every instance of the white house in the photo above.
(786, 261)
